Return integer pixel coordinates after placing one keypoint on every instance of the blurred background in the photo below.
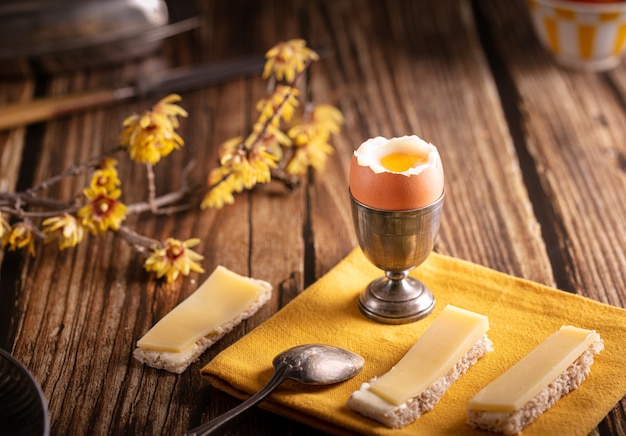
(39, 37)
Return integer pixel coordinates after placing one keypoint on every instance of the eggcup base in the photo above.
(396, 300)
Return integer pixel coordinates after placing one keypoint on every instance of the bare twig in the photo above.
(151, 186)
(159, 202)
(140, 243)
(75, 170)
(18, 200)
(290, 181)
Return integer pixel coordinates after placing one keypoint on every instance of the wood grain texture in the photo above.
(435, 82)
(573, 126)
(535, 182)
(12, 142)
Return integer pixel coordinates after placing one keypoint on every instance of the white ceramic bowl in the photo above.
(580, 35)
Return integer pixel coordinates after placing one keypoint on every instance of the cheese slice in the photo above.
(534, 372)
(222, 297)
(444, 343)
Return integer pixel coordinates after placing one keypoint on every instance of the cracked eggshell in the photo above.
(375, 186)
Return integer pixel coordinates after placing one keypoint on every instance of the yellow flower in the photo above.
(107, 162)
(172, 111)
(65, 228)
(323, 121)
(151, 136)
(103, 211)
(229, 148)
(217, 175)
(105, 178)
(327, 118)
(313, 154)
(240, 169)
(311, 139)
(282, 103)
(173, 258)
(247, 162)
(241, 174)
(219, 196)
(261, 163)
(287, 59)
(271, 138)
(20, 236)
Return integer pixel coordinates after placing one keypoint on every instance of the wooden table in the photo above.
(535, 161)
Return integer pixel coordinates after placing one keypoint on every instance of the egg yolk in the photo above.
(400, 161)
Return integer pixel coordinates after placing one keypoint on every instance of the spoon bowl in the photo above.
(314, 364)
(319, 364)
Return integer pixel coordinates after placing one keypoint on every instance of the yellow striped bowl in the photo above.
(587, 36)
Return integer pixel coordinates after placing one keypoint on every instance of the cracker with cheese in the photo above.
(535, 383)
(223, 301)
(455, 340)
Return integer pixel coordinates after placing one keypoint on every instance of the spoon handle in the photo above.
(280, 374)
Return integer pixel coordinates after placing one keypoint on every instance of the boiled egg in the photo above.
(396, 174)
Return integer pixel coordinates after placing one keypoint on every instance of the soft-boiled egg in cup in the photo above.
(396, 174)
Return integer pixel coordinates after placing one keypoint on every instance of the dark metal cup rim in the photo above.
(25, 408)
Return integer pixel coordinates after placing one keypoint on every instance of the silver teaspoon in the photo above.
(312, 364)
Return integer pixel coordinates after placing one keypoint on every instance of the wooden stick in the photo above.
(18, 114)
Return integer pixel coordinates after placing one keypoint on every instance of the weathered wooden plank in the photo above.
(573, 131)
(99, 294)
(395, 67)
(276, 219)
(12, 141)
(12, 90)
(420, 70)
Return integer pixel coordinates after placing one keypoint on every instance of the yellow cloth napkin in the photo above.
(521, 314)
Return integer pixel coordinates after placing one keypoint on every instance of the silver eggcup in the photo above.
(396, 242)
